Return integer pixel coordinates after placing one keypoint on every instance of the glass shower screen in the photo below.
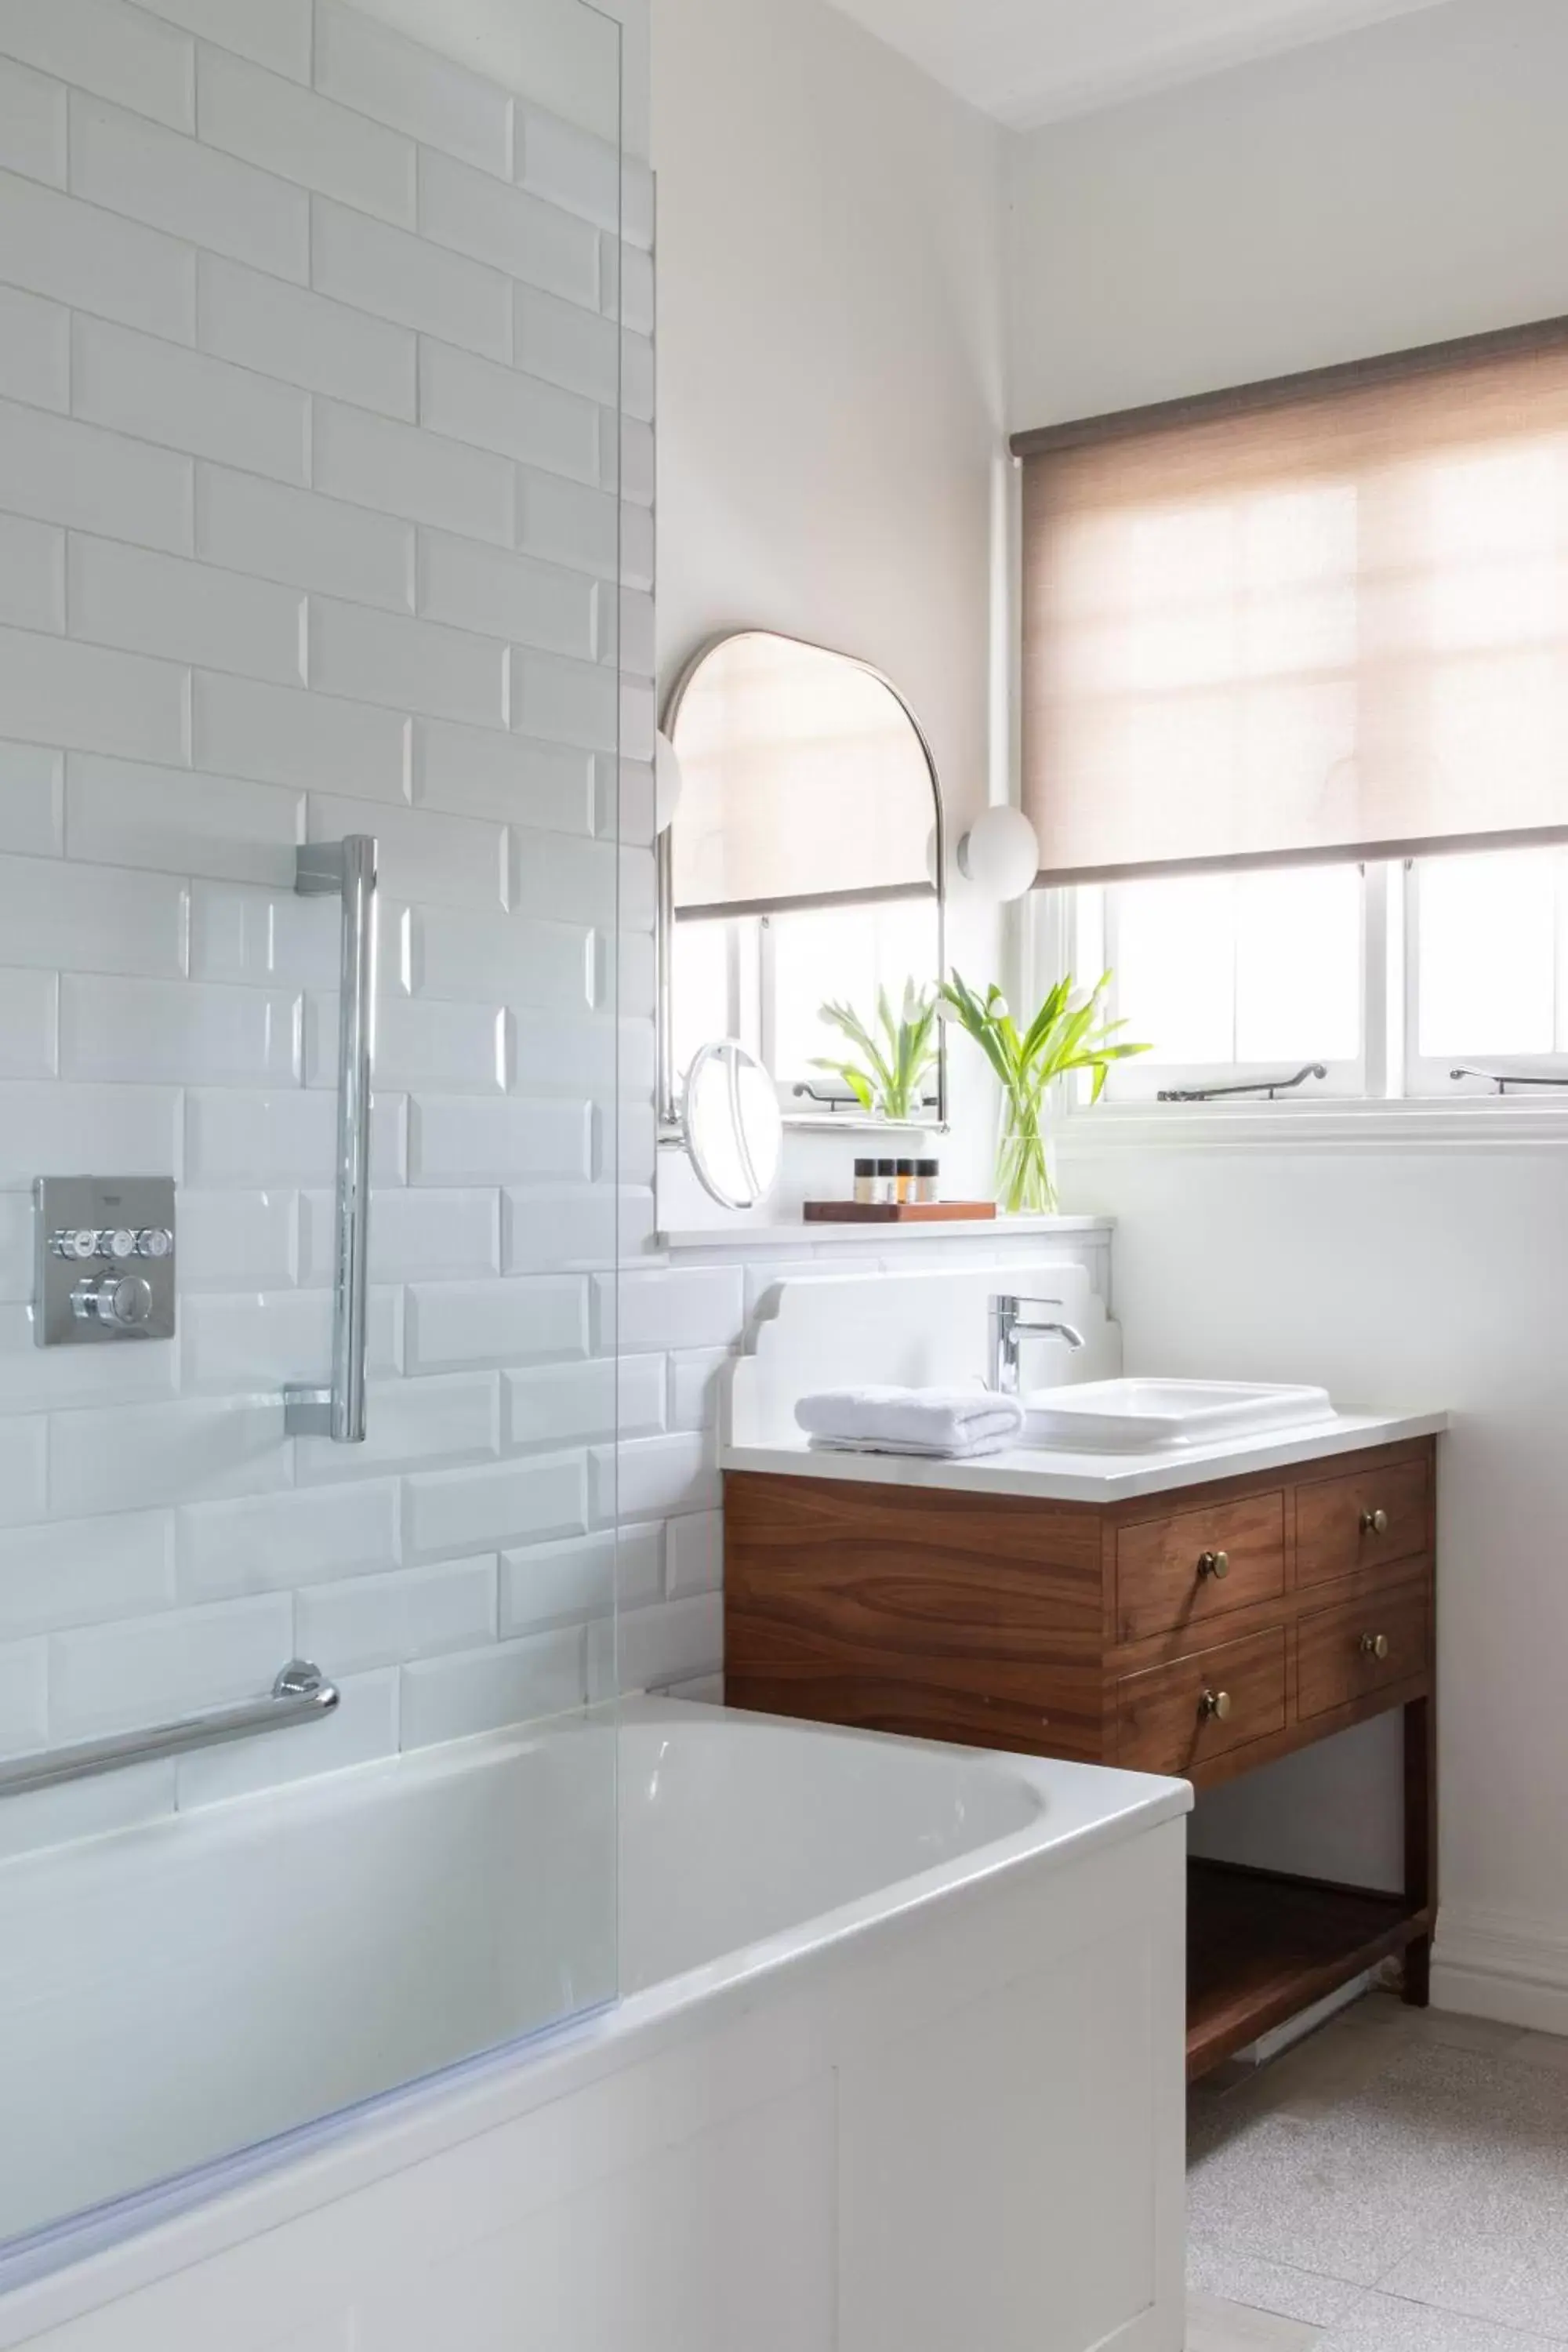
(365, 578)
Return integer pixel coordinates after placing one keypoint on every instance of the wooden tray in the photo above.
(898, 1212)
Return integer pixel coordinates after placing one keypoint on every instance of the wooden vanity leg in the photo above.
(1420, 1840)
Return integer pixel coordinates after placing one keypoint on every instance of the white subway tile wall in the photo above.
(310, 350)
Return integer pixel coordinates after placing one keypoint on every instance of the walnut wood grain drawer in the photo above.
(1189, 1566)
(1361, 1520)
(1175, 1716)
(1360, 1646)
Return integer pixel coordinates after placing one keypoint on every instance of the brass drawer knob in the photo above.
(1374, 1646)
(1216, 1564)
(1375, 1523)
(1215, 1706)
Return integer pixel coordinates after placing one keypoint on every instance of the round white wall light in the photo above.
(1000, 854)
(667, 784)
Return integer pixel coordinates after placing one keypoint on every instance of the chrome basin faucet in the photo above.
(1010, 1322)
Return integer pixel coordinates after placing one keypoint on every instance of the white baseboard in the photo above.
(1512, 1970)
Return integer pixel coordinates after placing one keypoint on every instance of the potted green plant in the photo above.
(898, 1052)
(1068, 1033)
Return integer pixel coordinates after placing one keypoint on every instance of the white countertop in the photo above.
(1058, 1477)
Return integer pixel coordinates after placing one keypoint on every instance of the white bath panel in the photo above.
(914, 1330)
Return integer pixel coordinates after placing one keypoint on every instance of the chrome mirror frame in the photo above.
(852, 1119)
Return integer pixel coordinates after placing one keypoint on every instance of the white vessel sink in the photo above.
(1133, 1416)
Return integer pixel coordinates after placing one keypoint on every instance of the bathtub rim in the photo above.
(74, 2267)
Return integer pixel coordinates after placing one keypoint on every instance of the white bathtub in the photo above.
(897, 2066)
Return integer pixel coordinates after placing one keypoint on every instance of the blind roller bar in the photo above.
(1291, 391)
(1368, 853)
(810, 902)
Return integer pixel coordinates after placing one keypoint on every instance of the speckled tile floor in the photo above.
(1397, 2183)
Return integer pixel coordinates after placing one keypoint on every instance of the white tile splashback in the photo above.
(308, 526)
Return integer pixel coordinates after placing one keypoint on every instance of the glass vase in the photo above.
(1026, 1158)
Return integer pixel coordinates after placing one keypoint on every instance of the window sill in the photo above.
(1476, 1122)
(737, 1237)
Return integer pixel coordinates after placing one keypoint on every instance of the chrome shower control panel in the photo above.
(104, 1259)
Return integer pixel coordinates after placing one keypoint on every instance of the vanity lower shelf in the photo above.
(1262, 1947)
(1201, 1633)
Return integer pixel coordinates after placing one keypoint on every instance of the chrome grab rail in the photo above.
(346, 869)
(300, 1693)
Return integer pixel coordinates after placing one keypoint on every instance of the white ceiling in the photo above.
(1033, 61)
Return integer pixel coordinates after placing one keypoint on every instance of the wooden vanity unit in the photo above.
(1201, 1631)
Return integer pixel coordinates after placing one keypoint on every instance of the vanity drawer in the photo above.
(1177, 1717)
(1362, 1520)
(1190, 1566)
(1360, 1646)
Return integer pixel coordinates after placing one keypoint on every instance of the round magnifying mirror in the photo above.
(734, 1131)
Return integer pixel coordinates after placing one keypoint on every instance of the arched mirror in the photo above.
(802, 902)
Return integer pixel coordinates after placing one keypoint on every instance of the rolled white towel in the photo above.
(942, 1425)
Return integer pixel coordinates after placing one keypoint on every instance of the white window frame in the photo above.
(1398, 1092)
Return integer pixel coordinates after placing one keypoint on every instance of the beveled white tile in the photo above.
(107, 1678)
(549, 1225)
(124, 812)
(299, 537)
(265, 937)
(93, 698)
(504, 595)
(672, 1307)
(414, 1236)
(70, 1377)
(276, 36)
(387, 657)
(562, 701)
(136, 167)
(93, 259)
(399, 81)
(507, 229)
(185, 611)
(186, 400)
(520, 1319)
(304, 338)
(77, 1130)
(568, 523)
(654, 1477)
(35, 350)
(144, 1456)
(81, 1572)
(694, 1554)
(235, 1137)
(279, 736)
(304, 137)
(549, 965)
(497, 407)
(482, 1509)
(581, 881)
(376, 461)
(30, 1025)
(413, 1612)
(102, 46)
(411, 1423)
(159, 1029)
(475, 771)
(486, 1690)
(460, 1143)
(24, 1457)
(407, 279)
(566, 1402)
(271, 1543)
(568, 1583)
(234, 1240)
(696, 1384)
(266, 1338)
(32, 799)
(425, 856)
(23, 1697)
(672, 1643)
(16, 1245)
(32, 574)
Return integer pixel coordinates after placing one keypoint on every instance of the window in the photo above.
(1295, 670)
(773, 973)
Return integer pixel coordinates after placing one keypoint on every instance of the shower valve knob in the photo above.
(81, 1243)
(155, 1241)
(122, 1301)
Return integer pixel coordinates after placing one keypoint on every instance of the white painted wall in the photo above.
(831, 396)
(1406, 183)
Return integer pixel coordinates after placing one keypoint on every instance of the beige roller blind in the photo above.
(1304, 619)
(804, 782)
